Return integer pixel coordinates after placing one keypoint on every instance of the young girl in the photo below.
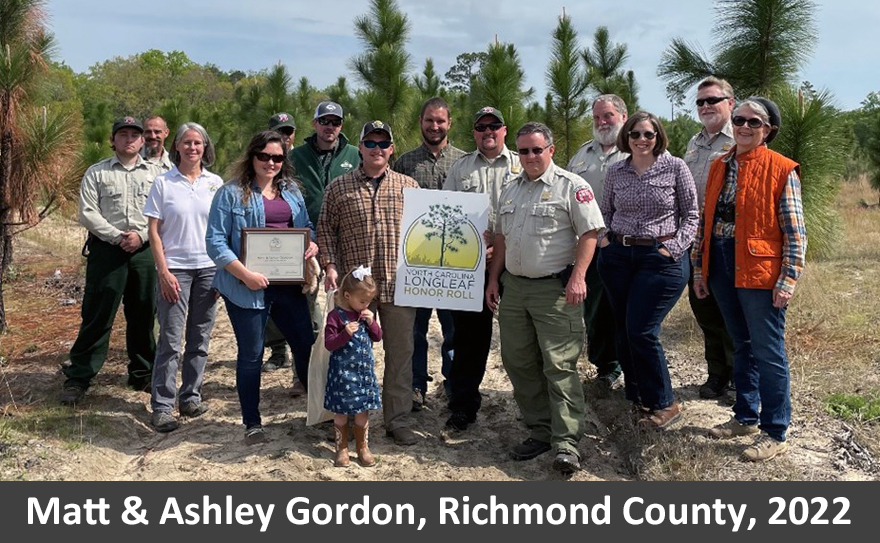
(352, 387)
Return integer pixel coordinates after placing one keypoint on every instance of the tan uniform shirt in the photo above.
(163, 162)
(542, 220)
(702, 150)
(591, 163)
(475, 173)
(112, 198)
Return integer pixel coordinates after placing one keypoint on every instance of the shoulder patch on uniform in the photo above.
(584, 195)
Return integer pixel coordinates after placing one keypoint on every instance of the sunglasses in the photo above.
(370, 144)
(712, 100)
(266, 157)
(635, 134)
(534, 150)
(754, 122)
(494, 127)
(324, 121)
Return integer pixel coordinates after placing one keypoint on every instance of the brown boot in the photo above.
(361, 437)
(342, 460)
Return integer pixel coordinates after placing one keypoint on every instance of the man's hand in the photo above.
(701, 289)
(576, 290)
(352, 327)
(131, 242)
(492, 297)
(330, 278)
(489, 238)
(367, 316)
(255, 281)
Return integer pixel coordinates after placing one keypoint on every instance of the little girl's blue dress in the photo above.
(352, 386)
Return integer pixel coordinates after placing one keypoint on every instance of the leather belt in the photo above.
(628, 241)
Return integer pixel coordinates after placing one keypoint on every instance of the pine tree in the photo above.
(604, 65)
(500, 84)
(568, 86)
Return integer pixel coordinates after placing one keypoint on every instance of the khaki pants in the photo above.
(397, 336)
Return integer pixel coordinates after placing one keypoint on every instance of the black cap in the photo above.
(488, 110)
(772, 113)
(126, 122)
(376, 126)
(281, 120)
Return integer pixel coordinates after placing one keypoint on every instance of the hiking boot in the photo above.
(714, 387)
(733, 428)
(163, 421)
(566, 462)
(662, 418)
(254, 435)
(193, 409)
(529, 449)
(403, 436)
(459, 422)
(298, 389)
(278, 358)
(764, 448)
(419, 400)
(72, 394)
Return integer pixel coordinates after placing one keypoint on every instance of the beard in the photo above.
(607, 136)
(433, 139)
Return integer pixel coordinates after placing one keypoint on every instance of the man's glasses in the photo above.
(635, 134)
(754, 122)
(494, 127)
(712, 100)
(534, 150)
(324, 121)
(266, 157)
(370, 144)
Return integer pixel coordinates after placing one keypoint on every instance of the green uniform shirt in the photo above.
(112, 198)
(429, 171)
(702, 150)
(541, 221)
(475, 173)
(591, 163)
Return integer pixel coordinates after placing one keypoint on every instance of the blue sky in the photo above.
(316, 39)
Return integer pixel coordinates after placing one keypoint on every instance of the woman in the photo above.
(750, 254)
(177, 208)
(650, 209)
(261, 194)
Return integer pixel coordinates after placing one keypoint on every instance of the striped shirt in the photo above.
(428, 170)
(791, 222)
(359, 225)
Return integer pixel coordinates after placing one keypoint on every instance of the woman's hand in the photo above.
(780, 298)
(311, 250)
(169, 287)
(663, 251)
(701, 289)
(255, 281)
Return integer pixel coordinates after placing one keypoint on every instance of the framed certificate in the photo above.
(277, 253)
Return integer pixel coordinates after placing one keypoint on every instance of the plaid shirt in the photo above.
(429, 171)
(359, 225)
(791, 221)
(660, 202)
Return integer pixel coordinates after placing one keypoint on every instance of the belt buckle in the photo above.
(625, 242)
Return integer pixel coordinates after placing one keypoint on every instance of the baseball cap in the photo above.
(282, 120)
(772, 113)
(127, 122)
(328, 108)
(488, 110)
(376, 126)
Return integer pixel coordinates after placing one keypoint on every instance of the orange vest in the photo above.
(761, 178)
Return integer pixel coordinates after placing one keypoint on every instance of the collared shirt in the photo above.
(163, 162)
(541, 221)
(475, 173)
(702, 150)
(112, 198)
(592, 163)
(660, 202)
(359, 225)
(182, 207)
(791, 221)
(428, 171)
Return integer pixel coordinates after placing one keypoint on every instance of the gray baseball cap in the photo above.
(328, 108)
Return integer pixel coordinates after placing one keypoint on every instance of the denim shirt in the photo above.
(227, 217)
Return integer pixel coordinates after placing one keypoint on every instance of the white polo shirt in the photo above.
(183, 209)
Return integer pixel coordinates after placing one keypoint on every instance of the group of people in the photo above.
(602, 249)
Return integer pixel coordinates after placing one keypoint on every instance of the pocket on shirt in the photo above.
(546, 219)
(505, 217)
(765, 248)
(662, 191)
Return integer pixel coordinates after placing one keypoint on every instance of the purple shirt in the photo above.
(278, 213)
(660, 202)
(337, 337)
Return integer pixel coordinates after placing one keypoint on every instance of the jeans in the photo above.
(643, 285)
(420, 345)
(191, 317)
(760, 367)
(288, 308)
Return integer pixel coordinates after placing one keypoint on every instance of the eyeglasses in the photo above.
(753, 122)
(324, 121)
(370, 144)
(266, 157)
(287, 131)
(712, 100)
(635, 134)
(534, 150)
(494, 127)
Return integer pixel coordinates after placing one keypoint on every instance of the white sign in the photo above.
(441, 261)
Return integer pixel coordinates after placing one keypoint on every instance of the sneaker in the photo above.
(529, 449)
(459, 422)
(662, 418)
(764, 448)
(297, 389)
(254, 435)
(714, 387)
(163, 421)
(72, 394)
(419, 400)
(733, 428)
(566, 462)
(403, 436)
(193, 409)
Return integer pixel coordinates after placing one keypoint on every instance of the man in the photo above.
(486, 170)
(120, 266)
(284, 124)
(591, 162)
(155, 134)
(427, 164)
(715, 106)
(545, 236)
(359, 225)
